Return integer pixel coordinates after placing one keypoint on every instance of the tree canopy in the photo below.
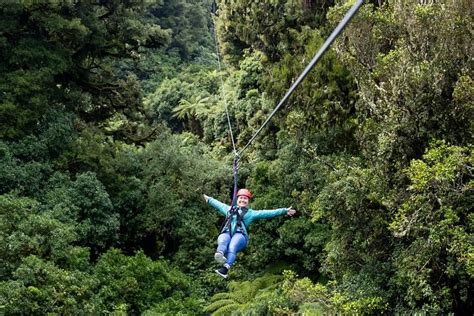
(113, 124)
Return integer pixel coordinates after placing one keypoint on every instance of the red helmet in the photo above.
(244, 192)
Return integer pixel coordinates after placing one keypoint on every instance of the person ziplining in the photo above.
(233, 237)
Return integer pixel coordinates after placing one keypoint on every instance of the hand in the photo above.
(205, 197)
(291, 211)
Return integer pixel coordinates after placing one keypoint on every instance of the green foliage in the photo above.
(99, 221)
(28, 228)
(175, 216)
(61, 55)
(357, 251)
(130, 284)
(410, 69)
(25, 164)
(264, 25)
(323, 107)
(191, 111)
(374, 150)
(13, 210)
(140, 284)
(25, 177)
(185, 105)
(244, 297)
(321, 299)
(407, 60)
(250, 72)
(85, 204)
(39, 286)
(188, 21)
(434, 226)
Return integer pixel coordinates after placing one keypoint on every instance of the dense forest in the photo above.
(113, 126)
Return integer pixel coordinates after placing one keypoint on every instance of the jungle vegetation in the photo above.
(113, 125)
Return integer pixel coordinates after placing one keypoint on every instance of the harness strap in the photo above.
(234, 196)
(227, 225)
(240, 217)
(235, 170)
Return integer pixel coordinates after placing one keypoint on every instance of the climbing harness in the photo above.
(240, 226)
(238, 155)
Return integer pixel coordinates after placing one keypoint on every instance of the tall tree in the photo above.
(62, 55)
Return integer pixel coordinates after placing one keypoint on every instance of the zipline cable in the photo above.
(235, 165)
(352, 11)
(237, 155)
(222, 89)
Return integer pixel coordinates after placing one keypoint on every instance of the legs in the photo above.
(223, 242)
(230, 247)
(237, 243)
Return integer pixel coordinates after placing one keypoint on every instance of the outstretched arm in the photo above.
(274, 213)
(219, 206)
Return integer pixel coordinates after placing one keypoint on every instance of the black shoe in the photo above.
(222, 272)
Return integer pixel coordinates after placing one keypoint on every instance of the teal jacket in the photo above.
(248, 218)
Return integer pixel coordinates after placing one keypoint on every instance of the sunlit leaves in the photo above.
(407, 61)
(434, 223)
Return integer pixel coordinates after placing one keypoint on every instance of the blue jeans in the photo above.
(231, 246)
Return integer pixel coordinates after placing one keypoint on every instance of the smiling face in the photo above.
(242, 201)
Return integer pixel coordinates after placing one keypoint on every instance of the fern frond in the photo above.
(270, 280)
(227, 310)
(221, 296)
(245, 291)
(241, 295)
(218, 305)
